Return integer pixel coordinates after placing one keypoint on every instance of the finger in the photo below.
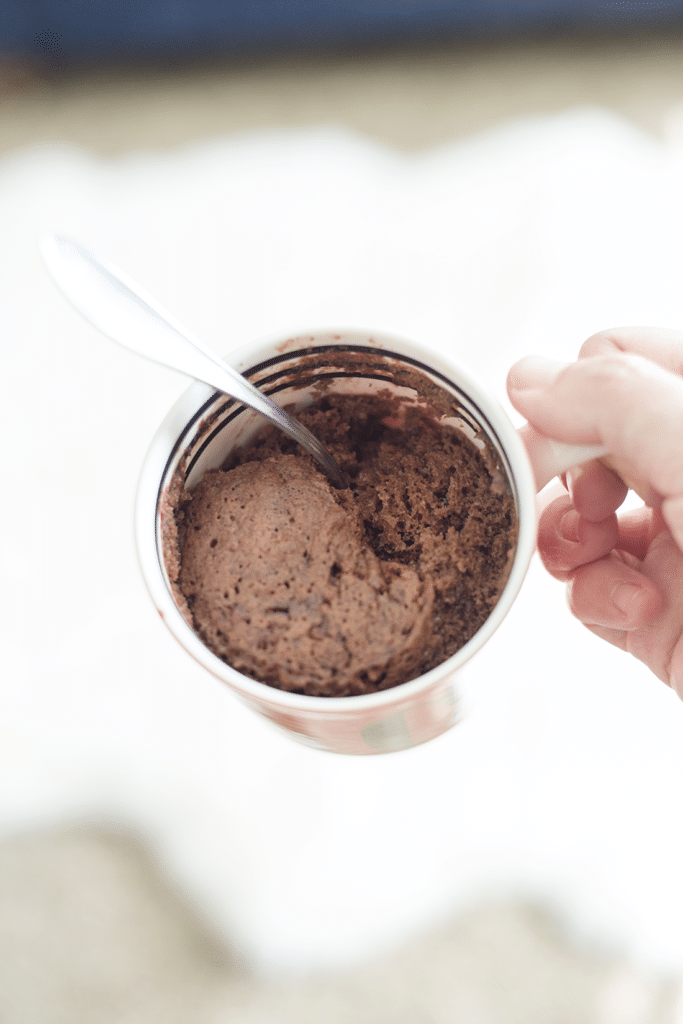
(595, 491)
(616, 637)
(672, 510)
(566, 541)
(546, 497)
(661, 345)
(637, 529)
(664, 347)
(611, 593)
(655, 645)
(623, 401)
(676, 669)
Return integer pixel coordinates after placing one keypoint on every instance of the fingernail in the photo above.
(627, 598)
(568, 527)
(534, 372)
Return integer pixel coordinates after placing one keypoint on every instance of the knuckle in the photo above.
(584, 591)
(573, 597)
(602, 342)
(614, 339)
(614, 373)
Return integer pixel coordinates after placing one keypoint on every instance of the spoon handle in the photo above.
(123, 311)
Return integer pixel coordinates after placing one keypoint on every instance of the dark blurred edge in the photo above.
(61, 34)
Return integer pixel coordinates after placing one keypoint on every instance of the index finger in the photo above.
(624, 401)
(659, 344)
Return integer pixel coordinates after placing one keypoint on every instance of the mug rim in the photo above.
(164, 446)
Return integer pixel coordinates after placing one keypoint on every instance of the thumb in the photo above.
(623, 401)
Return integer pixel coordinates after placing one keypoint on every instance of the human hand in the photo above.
(624, 574)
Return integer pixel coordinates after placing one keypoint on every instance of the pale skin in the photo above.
(624, 573)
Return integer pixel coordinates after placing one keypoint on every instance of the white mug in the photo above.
(204, 426)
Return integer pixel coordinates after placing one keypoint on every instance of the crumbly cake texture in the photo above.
(334, 593)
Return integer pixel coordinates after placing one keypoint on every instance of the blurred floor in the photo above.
(88, 930)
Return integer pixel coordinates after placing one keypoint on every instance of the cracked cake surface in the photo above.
(342, 592)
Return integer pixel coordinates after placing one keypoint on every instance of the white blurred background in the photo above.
(164, 853)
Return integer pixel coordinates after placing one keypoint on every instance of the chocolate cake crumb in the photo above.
(340, 592)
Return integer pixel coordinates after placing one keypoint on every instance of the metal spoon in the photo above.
(123, 311)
